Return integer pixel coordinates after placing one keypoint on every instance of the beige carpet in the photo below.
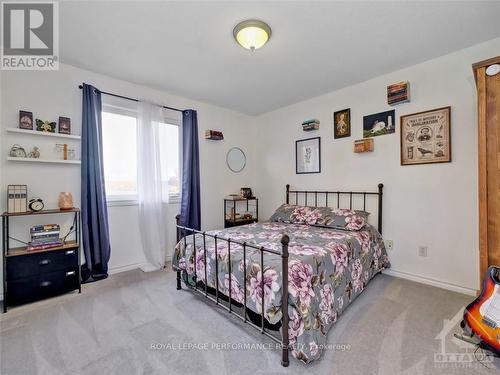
(110, 327)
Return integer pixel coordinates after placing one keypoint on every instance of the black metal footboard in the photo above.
(184, 232)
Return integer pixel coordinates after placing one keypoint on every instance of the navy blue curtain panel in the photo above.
(95, 229)
(190, 194)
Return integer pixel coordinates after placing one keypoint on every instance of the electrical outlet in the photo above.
(422, 251)
(389, 244)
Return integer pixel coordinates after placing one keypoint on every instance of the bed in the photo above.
(293, 276)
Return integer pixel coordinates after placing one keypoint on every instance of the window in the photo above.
(119, 138)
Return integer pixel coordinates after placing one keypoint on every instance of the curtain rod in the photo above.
(132, 99)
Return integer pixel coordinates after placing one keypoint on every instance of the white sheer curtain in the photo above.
(152, 222)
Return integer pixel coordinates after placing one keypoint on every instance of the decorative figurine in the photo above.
(45, 126)
(35, 153)
(17, 151)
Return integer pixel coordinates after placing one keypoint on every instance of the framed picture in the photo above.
(45, 126)
(398, 93)
(379, 124)
(25, 120)
(64, 125)
(342, 123)
(308, 155)
(426, 137)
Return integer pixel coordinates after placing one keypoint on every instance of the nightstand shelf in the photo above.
(240, 211)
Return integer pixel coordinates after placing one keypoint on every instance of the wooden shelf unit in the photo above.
(33, 275)
(16, 251)
(43, 212)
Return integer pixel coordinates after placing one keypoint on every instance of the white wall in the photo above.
(432, 205)
(52, 94)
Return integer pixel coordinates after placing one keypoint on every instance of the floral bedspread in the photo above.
(328, 268)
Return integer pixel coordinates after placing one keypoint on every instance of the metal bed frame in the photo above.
(183, 232)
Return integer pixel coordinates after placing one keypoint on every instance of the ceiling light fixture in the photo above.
(493, 70)
(252, 34)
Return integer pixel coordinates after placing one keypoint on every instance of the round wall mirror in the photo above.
(236, 159)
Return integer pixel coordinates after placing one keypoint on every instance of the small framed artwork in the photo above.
(64, 125)
(381, 123)
(342, 123)
(398, 93)
(45, 126)
(25, 120)
(308, 155)
(426, 137)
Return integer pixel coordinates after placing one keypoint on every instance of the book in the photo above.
(11, 199)
(32, 247)
(311, 121)
(310, 126)
(44, 227)
(214, 135)
(44, 234)
(44, 240)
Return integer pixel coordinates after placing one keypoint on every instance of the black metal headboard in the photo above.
(315, 194)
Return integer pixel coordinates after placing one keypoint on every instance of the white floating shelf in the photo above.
(33, 160)
(44, 134)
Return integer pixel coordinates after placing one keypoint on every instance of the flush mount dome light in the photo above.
(252, 34)
(493, 70)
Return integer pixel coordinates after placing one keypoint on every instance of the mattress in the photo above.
(328, 268)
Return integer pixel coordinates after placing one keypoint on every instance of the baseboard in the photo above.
(111, 271)
(128, 267)
(433, 282)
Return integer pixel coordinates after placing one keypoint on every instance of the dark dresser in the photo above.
(34, 275)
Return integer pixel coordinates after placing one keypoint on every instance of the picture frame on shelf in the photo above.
(25, 120)
(381, 123)
(64, 125)
(45, 126)
(308, 155)
(426, 137)
(342, 123)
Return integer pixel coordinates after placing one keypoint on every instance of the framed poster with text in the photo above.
(426, 137)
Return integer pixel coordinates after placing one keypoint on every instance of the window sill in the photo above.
(125, 203)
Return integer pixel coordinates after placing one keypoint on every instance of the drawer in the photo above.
(22, 266)
(42, 286)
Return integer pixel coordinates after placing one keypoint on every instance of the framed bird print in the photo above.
(426, 137)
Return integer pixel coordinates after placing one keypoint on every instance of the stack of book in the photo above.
(398, 93)
(312, 124)
(44, 237)
(214, 135)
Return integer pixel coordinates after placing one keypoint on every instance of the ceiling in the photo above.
(187, 48)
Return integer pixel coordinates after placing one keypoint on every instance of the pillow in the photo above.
(345, 219)
(321, 216)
